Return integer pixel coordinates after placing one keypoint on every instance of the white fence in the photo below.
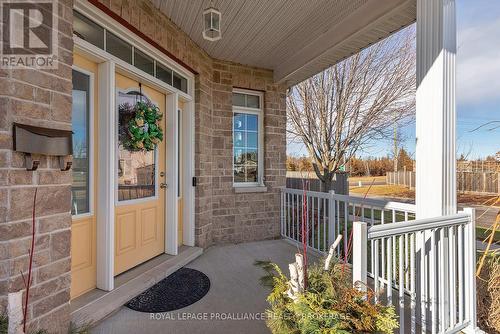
(473, 182)
(402, 177)
(387, 244)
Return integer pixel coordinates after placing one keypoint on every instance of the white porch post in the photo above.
(106, 175)
(436, 116)
(435, 190)
(436, 193)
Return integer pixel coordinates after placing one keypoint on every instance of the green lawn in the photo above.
(482, 233)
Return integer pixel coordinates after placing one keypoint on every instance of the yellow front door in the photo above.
(140, 199)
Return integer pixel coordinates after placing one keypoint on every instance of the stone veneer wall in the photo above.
(238, 217)
(41, 98)
(44, 98)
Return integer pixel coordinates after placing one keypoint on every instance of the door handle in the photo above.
(163, 185)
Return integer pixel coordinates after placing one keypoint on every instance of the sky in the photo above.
(478, 84)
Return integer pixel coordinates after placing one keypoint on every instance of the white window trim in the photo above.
(91, 152)
(95, 15)
(260, 146)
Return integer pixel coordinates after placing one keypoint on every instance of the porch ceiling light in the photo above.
(211, 24)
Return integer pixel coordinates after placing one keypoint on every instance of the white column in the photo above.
(435, 185)
(188, 140)
(172, 156)
(106, 177)
(436, 116)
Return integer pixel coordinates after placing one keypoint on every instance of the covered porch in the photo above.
(297, 40)
(235, 293)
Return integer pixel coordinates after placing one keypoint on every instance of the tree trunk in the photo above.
(325, 178)
(326, 184)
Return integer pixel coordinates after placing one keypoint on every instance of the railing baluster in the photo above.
(297, 218)
(401, 288)
(371, 242)
(323, 222)
(452, 272)
(413, 296)
(346, 218)
(423, 271)
(292, 232)
(282, 204)
(406, 257)
(337, 220)
(319, 237)
(460, 274)
(375, 272)
(393, 242)
(468, 273)
(441, 281)
(432, 283)
(312, 224)
(382, 212)
(389, 271)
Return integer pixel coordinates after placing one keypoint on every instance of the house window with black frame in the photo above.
(247, 138)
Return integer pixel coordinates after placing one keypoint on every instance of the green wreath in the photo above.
(143, 126)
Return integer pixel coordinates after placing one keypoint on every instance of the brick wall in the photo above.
(44, 98)
(238, 217)
(41, 98)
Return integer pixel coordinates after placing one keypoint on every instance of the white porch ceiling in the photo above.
(295, 38)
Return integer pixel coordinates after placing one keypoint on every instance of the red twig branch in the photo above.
(32, 252)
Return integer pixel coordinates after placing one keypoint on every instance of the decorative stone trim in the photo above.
(257, 189)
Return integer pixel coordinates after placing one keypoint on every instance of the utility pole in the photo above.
(396, 148)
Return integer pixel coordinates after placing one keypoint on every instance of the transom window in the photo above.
(247, 138)
(93, 33)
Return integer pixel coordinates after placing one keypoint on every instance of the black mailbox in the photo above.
(44, 141)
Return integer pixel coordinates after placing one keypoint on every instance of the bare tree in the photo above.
(346, 107)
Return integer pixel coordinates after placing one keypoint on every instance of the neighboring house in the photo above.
(219, 169)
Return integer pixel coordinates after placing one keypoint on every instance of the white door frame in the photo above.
(108, 66)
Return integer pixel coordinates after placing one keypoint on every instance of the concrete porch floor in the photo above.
(234, 291)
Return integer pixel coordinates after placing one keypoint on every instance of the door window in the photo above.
(136, 169)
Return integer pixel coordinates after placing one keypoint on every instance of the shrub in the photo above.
(329, 305)
(488, 294)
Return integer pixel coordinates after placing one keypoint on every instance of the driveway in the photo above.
(235, 294)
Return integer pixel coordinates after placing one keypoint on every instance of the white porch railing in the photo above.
(389, 254)
(328, 215)
(431, 278)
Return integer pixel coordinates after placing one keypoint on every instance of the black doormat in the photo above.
(182, 288)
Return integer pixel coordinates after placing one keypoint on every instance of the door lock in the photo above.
(162, 174)
(163, 185)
